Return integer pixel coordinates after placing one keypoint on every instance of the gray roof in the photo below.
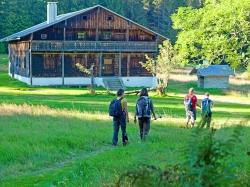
(215, 70)
(62, 18)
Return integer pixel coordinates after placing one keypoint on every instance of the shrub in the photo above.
(3, 48)
(206, 164)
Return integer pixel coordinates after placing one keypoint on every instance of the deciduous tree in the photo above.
(218, 32)
(90, 73)
(162, 66)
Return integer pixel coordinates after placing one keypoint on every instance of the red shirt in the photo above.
(193, 99)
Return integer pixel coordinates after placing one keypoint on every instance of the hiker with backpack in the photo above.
(118, 109)
(190, 102)
(206, 112)
(143, 111)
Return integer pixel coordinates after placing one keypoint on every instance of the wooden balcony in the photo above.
(94, 46)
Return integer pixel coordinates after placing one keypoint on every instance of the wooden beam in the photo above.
(63, 59)
(127, 32)
(128, 65)
(10, 63)
(154, 57)
(97, 25)
(63, 56)
(96, 67)
(120, 65)
(86, 59)
(30, 53)
(100, 64)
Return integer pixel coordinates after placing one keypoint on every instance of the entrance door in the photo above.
(108, 65)
(202, 82)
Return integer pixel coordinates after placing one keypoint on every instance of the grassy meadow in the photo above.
(62, 136)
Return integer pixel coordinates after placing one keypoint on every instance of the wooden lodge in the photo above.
(47, 53)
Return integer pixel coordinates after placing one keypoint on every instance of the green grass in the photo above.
(3, 64)
(62, 136)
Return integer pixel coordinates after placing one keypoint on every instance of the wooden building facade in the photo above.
(47, 54)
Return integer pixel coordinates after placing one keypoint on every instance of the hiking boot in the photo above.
(125, 143)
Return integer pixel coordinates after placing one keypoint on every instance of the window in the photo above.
(108, 61)
(106, 35)
(81, 35)
(119, 36)
(48, 63)
(51, 65)
(70, 35)
(43, 36)
(85, 17)
(142, 37)
(110, 18)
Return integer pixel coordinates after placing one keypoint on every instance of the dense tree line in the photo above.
(16, 15)
(217, 32)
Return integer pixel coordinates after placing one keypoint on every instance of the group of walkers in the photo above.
(191, 102)
(118, 109)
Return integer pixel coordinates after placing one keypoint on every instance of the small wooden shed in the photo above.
(214, 76)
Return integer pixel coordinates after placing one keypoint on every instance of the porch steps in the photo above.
(113, 83)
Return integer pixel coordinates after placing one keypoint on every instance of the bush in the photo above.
(3, 48)
(206, 164)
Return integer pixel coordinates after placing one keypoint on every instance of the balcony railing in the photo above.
(94, 46)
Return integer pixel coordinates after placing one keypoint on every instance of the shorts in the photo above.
(191, 114)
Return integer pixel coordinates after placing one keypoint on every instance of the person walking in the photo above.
(118, 109)
(143, 111)
(206, 112)
(190, 102)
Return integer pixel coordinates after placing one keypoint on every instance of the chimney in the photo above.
(51, 11)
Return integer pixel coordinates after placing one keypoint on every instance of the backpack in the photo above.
(206, 106)
(115, 108)
(143, 108)
(189, 104)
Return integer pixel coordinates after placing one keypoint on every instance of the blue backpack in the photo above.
(206, 106)
(143, 108)
(115, 108)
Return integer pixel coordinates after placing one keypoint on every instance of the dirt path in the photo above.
(67, 162)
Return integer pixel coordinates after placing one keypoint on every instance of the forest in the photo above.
(16, 15)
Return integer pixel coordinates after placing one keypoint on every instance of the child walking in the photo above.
(206, 112)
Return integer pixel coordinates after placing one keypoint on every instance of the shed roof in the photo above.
(215, 70)
(63, 17)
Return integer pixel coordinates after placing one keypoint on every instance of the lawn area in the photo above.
(62, 136)
(3, 64)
